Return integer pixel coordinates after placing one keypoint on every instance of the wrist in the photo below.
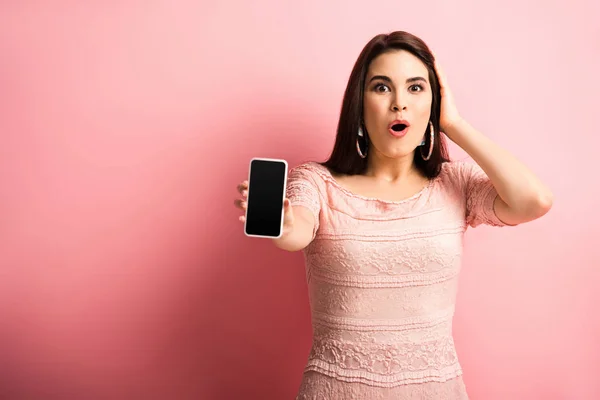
(453, 126)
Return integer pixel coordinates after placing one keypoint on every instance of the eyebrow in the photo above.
(409, 80)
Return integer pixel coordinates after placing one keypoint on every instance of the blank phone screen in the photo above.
(265, 197)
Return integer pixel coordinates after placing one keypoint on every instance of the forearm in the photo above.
(300, 235)
(517, 185)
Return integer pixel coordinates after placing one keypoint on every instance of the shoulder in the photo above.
(459, 175)
(311, 171)
(311, 166)
(452, 172)
(304, 186)
(460, 171)
(456, 167)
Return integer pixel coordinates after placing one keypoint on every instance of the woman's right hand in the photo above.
(288, 211)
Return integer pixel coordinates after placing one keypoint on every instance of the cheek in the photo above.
(370, 102)
(371, 109)
(374, 105)
(421, 111)
(423, 104)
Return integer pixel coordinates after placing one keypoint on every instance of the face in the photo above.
(396, 88)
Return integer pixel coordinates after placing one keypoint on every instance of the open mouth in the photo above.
(398, 127)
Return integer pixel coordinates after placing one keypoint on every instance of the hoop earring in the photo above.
(361, 134)
(431, 134)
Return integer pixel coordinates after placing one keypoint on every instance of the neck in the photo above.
(391, 169)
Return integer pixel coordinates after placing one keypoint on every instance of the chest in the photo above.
(386, 191)
(431, 254)
(420, 237)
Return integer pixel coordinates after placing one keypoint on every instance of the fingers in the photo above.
(440, 73)
(241, 204)
(243, 188)
(436, 66)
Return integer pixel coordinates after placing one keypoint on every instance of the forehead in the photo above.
(398, 65)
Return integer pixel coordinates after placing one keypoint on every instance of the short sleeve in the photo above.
(480, 195)
(303, 190)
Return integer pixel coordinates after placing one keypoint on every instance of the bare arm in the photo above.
(522, 197)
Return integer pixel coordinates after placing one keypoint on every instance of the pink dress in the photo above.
(382, 279)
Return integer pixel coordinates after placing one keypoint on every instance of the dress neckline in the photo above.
(329, 177)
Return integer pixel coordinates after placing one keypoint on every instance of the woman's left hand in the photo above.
(449, 115)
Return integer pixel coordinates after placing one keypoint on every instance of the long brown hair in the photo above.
(344, 158)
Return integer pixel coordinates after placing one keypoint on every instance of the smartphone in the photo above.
(266, 192)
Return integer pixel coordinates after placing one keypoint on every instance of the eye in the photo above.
(382, 88)
(420, 88)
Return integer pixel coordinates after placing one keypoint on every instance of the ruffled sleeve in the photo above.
(303, 190)
(480, 195)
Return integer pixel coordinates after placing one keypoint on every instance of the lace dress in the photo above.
(382, 279)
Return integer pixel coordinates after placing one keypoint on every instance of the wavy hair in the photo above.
(344, 158)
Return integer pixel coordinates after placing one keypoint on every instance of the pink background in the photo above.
(126, 126)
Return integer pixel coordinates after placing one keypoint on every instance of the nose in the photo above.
(398, 103)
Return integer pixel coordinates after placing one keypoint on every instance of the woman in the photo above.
(381, 224)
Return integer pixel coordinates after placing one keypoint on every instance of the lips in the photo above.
(398, 128)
